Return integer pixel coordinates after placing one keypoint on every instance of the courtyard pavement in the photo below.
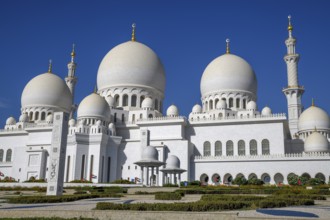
(84, 208)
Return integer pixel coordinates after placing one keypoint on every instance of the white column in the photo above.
(157, 173)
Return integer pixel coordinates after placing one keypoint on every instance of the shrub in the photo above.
(34, 180)
(121, 181)
(81, 181)
(240, 180)
(170, 185)
(255, 181)
(168, 196)
(55, 199)
(8, 179)
(315, 181)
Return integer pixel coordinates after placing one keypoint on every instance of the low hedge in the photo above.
(212, 203)
(168, 196)
(20, 188)
(186, 207)
(55, 199)
(47, 218)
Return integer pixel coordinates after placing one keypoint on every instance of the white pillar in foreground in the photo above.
(57, 154)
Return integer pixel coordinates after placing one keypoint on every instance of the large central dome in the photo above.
(228, 73)
(131, 64)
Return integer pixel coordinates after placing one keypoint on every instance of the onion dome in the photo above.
(50, 118)
(150, 153)
(94, 106)
(172, 162)
(10, 121)
(47, 90)
(72, 122)
(313, 117)
(24, 118)
(221, 104)
(228, 73)
(111, 101)
(252, 105)
(172, 111)
(131, 64)
(316, 142)
(197, 109)
(266, 111)
(147, 103)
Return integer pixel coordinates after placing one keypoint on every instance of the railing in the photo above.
(16, 128)
(269, 156)
(164, 118)
(245, 117)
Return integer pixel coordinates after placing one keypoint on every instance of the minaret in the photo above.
(293, 91)
(71, 79)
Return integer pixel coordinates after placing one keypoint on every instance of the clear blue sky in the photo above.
(186, 35)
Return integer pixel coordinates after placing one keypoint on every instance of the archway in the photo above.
(278, 178)
(204, 179)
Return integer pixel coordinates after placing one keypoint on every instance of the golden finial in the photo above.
(73, 53)
(95, 89)
(290, 28)
(133, 31)
(227, 47)
(313, 104)
(50, 66)
(315, 130)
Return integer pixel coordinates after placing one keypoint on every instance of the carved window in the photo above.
(125, 100)
(1, 155)
(241, 148)
(265, 147)
(8, 155)
(218, 148)
(253, 147)
(133, 101)
(230, 148)
(207, 149)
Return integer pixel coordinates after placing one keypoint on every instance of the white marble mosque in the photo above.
(121, 132)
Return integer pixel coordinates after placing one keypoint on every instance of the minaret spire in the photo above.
(227, 46)
(290, 27)
(71, 79)
(133, 32)
(293, 91)
(50, 66)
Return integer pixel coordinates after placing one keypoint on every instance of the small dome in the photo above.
(47, 90)
(94, 106)
(221, 104)
(266, 111)
(197, 109)
(147, 103)
(150, 153)
(228, 73)
(24, 118)
(98, 123)
(111, 125)
(313, 117)
(131, 64)
(316, 142)
(172, 111)
(11, 121)
(252, 105)
(111, 101)
(172, 162)
(72, 122)
(49, 118)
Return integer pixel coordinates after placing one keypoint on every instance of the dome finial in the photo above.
(227, 47)
(95, 89)
(50, 66)
(290, 27)
(315, 130)
(313, 104)
(73, 53)
(133, 31)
